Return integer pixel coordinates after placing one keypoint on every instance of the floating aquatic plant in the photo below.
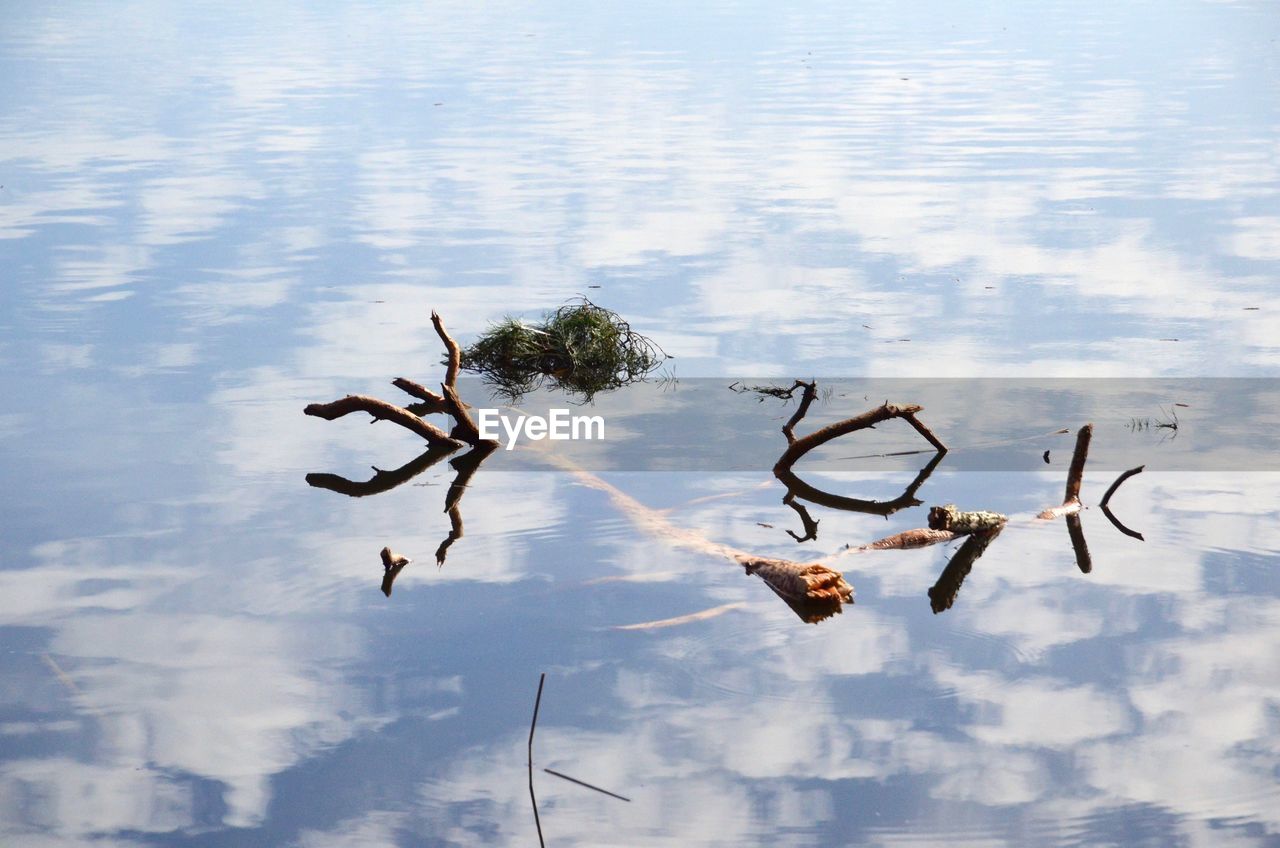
(580, 348)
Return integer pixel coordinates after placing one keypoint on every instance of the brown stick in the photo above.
(1125, 476)
(924, 431)
(806, 399)
(800, 447)
(1115, 522)
(1076, 473)
(921, 537)
(455, 353)
(807, 520)
(463, 428)
(381, 411)
(432, 401)
(1053, 512)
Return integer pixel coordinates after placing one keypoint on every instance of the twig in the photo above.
(455, 353)
(1076, 473)
(588, 785)
(806, 399)
(884, 412)
(431, 402)
(921, 537)
(464, 428)
(1110, 515)
(381, 411)
(809, 523)
(1115, 522)
(1116, 485)
(533, 725)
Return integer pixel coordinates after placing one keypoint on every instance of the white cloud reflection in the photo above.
(752, 212)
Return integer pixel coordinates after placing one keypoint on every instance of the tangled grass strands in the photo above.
(580, 348)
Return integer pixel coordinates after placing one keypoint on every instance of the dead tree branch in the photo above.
(884, 412)
(381, 411)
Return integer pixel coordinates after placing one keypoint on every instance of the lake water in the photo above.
(212, 215)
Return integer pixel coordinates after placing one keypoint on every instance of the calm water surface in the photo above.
(214, 214)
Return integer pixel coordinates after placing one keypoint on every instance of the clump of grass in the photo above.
(580, 348)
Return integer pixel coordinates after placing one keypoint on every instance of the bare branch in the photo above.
(455, 353)
(1116, 485)
(381, 411)
(806, 399)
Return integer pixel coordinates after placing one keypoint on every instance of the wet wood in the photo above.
(381, 411)
(1111, 490)
(949, 518)
(872, 417)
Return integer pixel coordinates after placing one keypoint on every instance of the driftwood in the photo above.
(1111, 490)
(884, 412)
(441, 445)
(1071, 505)
(953, 520)
(381, 411)
(1075, 474)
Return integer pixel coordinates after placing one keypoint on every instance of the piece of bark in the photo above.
(950, 518)
(921, 537)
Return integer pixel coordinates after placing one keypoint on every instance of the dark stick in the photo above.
(1125, 476)
(533, 726)
(870, 418)
(1078, 544)
(810, 525)
(588, 785)
(1076, 473)
(1116, 523)
(810, 392)
(381, 411)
